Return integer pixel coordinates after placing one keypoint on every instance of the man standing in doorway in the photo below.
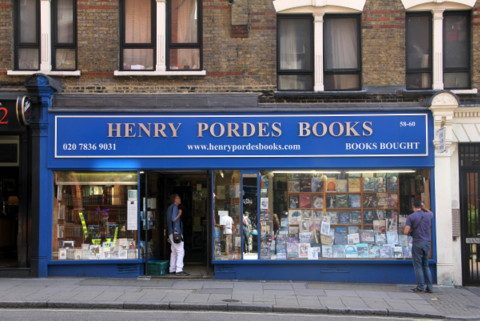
(419, 226)
(174, 223)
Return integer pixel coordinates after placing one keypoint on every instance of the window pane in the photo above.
(456, 41)
(456, 79)
(184, 59)
(65, 59)
(295, 82)
(227, 239)
(295, 44)
(90, 219)
(341, 215)
(65, 21)
(419, 81)
(138, 22)
(28, 21)
(342, 82)
(28, 59)
(419, 44)
(184, 17)
(341, 43)
(138, 59)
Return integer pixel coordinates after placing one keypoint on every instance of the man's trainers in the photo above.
(417, 290)
(429, 291)
(183, 273)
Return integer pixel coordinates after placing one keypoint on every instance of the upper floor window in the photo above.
(295, 51)
(64, 30)
(297, 46)
(45, 37)
(341, 40)
(438, 44)
(184, 37)
(161, 35)
(419, 50)
(27, 35)
(456, 49)
(319, 45)
(138, 35)
(454, 43)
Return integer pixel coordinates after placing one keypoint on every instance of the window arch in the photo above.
(310, 6)
(444, 4)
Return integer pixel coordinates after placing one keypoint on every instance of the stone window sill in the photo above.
(160, 73)
(465, 91)
(73, 73)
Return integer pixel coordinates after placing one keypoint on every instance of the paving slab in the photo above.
(354, 303)
(331, 303)
(197, 298)
(340, 293)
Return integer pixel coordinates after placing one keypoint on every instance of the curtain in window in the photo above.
(28, 21)
(65, 58)
(138, 30)
(295, 44)
(295, 53)
(184, 21)
(456, 51)
(341, 43)
(419, 48)
(28, 57)
(184, 29)
(65, 21)
(341, 52)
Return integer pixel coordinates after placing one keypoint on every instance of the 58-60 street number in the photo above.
(407, 124)
(89, 146)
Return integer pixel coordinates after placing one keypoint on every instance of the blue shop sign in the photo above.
(241, 136)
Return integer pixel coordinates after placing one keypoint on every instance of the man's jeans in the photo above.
(420, 265)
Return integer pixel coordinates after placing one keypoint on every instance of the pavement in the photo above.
(452, 303)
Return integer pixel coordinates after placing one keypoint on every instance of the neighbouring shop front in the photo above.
(308, 196)
(14, 186)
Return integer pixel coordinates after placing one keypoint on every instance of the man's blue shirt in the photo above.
(420, 223)
(172, 213)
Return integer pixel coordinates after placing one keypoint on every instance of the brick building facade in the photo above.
(241, 48)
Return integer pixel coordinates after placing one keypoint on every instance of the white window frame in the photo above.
(160, 50)
(318, 8)
(45, 47)
(437, 8)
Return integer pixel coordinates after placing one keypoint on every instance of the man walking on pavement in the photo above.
(174, 223)
(419, 226)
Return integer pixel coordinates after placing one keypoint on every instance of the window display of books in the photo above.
(343, 216)
(121, 249)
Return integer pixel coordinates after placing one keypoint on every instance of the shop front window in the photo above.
(95, 216)
(317, 215)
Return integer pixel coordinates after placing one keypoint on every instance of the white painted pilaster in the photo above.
(161, 35)
(437, 49)
(318, 52)
(45, 36)
(443, 108)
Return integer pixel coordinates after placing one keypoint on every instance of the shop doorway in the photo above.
(470, 212)
(13, 208)
(193, 188)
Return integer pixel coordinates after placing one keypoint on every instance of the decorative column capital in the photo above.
(318, 17)
(438, 13)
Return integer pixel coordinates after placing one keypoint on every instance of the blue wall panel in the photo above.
(355, 272)
(110, 270)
